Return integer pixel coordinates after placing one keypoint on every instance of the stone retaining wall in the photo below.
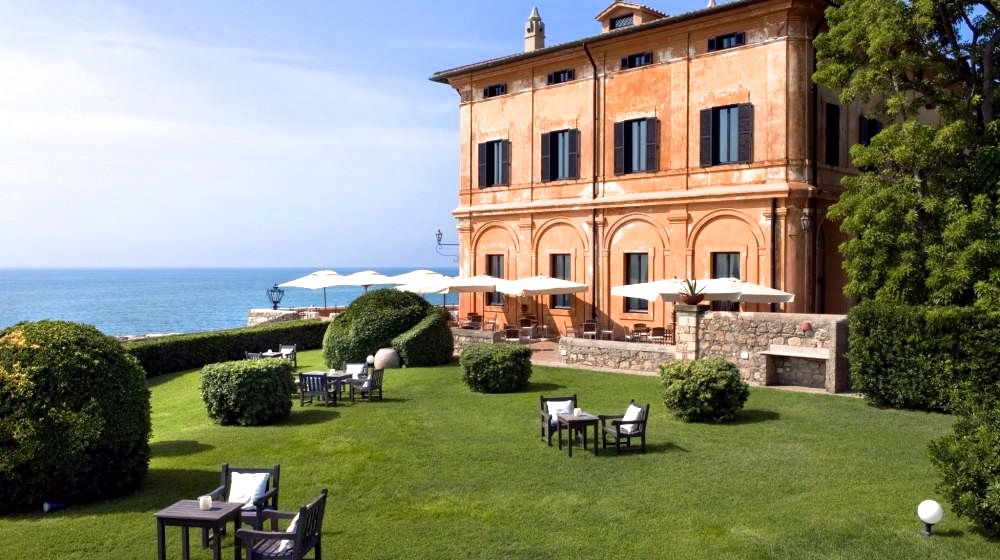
(465, 337)
(614, 354)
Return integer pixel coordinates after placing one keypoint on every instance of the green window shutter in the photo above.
(745, 154)
(546, 156)
(574, 154)
(504, 162)
(483, 168)
(652, 144)
(706, 138)
(619, 148)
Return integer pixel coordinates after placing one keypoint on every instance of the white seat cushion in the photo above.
(556, 407)
(632, 414)
(244, 488)
(285, 543)
(354, 369)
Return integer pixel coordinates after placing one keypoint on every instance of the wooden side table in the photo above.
(576, 423)
(186, 514)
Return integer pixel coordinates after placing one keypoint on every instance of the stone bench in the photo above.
(798, 365)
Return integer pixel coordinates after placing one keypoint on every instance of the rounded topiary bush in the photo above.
(429, 343)
(74, 416)
(496, 368)
(708, 390)
(248, 392)
(370, 323)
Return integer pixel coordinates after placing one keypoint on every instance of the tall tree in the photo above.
(923, 217)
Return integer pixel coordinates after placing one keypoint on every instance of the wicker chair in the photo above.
(254, 517)
(622, 431)
(288, 545)
(317, 386)
(367, 387)
(548, 422)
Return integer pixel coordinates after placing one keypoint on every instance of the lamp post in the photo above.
(274, 293)
(930, 513)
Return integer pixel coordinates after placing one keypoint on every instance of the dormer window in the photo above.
(560, 76)
(622, 21)
(727, 41)
(494, 90)
(636, 60)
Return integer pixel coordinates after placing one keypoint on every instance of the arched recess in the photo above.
(727, 231)
(633, 233)
(560, 237)
(492, 238)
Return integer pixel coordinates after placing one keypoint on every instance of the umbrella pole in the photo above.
(324, 298)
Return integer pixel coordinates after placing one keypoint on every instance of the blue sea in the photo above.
(142, 301)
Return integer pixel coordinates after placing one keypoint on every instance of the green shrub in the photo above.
(248, 392)
(74, 416)
(371, 322)
(167, 354)
(429, 343)
(708, 390)
(496, 368)
(968, 461)
(918, 357)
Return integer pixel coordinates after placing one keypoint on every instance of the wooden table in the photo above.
(576, 423)
(186, 514)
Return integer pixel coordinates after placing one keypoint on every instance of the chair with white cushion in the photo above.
(624, 427)
(303, 534)
(550, 407)
(257, 488)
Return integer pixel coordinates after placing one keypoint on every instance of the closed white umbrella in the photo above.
(539, 286)
(321, 279)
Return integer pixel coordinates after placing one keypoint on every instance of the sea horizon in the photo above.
(133, 301)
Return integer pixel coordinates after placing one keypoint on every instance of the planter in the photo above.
(693, 299)
(387, 358)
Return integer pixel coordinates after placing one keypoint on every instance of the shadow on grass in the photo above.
(309, 416)
(754, 416)
(162, 378)
(376, 401)
(177, 447)
(658, 447)
(538, 387)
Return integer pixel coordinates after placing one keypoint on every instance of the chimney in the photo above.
(711, 4)
(534, 32)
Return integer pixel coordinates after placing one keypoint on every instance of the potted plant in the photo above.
(691, 294)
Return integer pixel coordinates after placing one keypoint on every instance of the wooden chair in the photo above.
(367, 387)
(548, 422)
(658, 335)
(317, 386)
(590, 329)
(623, 431)
(254, 517)
(253, 355)
(293, 544)
(288, 352)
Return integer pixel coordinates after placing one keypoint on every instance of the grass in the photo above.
(437, 471)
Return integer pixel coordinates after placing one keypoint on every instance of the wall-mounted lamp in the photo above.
(805, 221)
(440, 236)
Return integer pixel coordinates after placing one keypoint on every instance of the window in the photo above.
(494, 268)
(495, 90)
(727, 135)
(636, 272)
(867, 129)
(727, 41)
(561, 155)
(833, 134)
(560, 76)
(560, 269)
(494, 163)
(636, 60)
(725, 265)
(622, 21)
(637, 146)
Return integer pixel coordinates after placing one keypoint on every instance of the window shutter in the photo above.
(505, 162)
(706, 138)
(624, 64)
(741, 38)
(619, 148)
(652, 144)
(482, 165)
(552, 78)
(746, 133)
(711, 44)
(574, 154)
(546, 156)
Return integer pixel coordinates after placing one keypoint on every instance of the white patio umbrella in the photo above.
(416, 276)
(321, 279)
(434, 283)
(481, 283)
(366, 278)
(746, 292)
(718, 289)
(668, 290)
(539, 286)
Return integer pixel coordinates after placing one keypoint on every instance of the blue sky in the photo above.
(239, 133)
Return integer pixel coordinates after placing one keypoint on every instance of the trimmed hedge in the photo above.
(429, 343)
(708, 390)
(167, 354)
(248, 392)
(496, 368)
(371, 322)
(74, 416)
(918, 357)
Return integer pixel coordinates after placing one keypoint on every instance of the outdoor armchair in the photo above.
(590, 329)
(253, 515)
(288, 352)
(512, 334)
(367, 387)
(549, 407)
(624, 427)
(317, 386)
(253, 355)
(658, 335)
(303, 534)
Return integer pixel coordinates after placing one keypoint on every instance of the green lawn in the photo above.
(437, 471)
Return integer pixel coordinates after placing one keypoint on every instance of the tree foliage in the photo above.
(923, 217)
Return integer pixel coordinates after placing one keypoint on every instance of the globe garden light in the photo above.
(930, 513)
(371, 361)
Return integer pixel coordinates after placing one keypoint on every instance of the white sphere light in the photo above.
(371, 359)
(930, 513)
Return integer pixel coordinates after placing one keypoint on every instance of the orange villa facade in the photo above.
(688, 146)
